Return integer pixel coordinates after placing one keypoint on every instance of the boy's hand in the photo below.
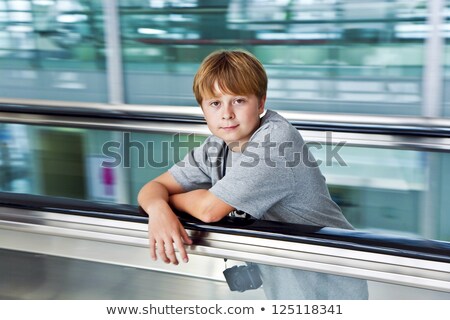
(164, 228)
(164, 232)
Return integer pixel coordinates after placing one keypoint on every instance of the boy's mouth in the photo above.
(229, 128)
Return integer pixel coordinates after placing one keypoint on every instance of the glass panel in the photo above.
(379, 189)
(87, 164)
(295, 284)
(52, 49)
(359, 182)
(314, 51)
(15, 159)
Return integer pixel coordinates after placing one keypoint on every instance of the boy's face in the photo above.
(233, 118)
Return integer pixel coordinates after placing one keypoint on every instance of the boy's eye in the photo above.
(240, 100)
(214, 103)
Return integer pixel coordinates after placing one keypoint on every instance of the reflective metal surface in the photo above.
(373, 266)
(404, 140)
(38, 277)
(386, 122)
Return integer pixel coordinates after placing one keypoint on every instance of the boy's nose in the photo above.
(227, 113)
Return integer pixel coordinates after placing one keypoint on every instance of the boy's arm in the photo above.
(201, 204)
(164, 228)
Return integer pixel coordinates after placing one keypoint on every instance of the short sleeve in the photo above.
(255, 183)
(193, 172)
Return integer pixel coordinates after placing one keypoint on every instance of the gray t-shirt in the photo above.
(274, 178)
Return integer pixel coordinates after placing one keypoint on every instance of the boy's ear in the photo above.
(262, 103)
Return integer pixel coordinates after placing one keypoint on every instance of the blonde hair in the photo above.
(234, 71)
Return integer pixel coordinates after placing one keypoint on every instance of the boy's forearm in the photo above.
(189, 202)
(199, 204)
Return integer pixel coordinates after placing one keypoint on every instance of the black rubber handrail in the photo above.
(313, 125)
(424, 249)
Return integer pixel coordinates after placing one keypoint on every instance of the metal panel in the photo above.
(349, 138)
(368, 265)
(113, 52)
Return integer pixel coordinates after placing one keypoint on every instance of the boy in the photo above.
(267, 173)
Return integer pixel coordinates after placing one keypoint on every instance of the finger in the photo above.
(185, 236)
(152, 245)
(170, 253)
(162, 252)
(181, 250)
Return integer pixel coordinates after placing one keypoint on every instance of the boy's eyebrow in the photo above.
(231, 94)
(218, 97)
(210, 98)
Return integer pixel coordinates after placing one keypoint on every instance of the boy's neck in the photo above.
(237, 146)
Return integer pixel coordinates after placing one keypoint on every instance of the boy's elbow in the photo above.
(209, 216)
(212, 209)
(211, 219)
(143, 192)
(139, 197)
